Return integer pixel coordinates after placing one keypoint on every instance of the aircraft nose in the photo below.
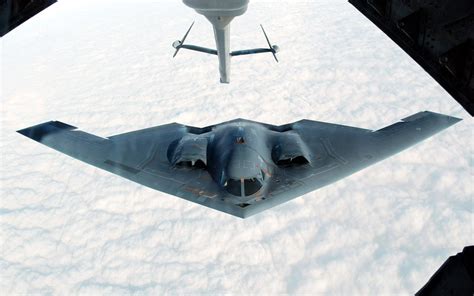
(244, 163)
(244, 171)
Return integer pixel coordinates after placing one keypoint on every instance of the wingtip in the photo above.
(37, 132)
(427, 113)
(454, 119)
(450, 119)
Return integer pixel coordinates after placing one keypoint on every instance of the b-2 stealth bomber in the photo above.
(220, 14)
(240, 167)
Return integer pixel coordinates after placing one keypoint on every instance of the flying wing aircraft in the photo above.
(239, 167)
(15, 12)
(437, 34)
(220, 14)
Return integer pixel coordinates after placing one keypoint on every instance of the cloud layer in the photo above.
(106, 67)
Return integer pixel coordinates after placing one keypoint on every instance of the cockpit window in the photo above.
(233, 187)
(250, 186)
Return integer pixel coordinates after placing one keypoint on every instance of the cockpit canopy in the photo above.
(244, 162)
(243, 187)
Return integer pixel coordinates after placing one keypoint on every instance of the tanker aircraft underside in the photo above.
(220, 14)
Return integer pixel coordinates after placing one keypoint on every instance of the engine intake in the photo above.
(189, 151)
(290, 151)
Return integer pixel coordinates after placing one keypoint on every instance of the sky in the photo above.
(106, 67)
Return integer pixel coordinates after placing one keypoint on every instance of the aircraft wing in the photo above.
(438, 35)
(15, 12)
(337, 151)
(140, 156)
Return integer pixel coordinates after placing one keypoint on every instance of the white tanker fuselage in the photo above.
(220, 13)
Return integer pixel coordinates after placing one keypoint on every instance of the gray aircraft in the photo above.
(220, 14)
(240, 167)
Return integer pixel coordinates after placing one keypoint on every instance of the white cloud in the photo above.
(68, 228)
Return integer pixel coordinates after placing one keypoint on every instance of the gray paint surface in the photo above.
(240, 167)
